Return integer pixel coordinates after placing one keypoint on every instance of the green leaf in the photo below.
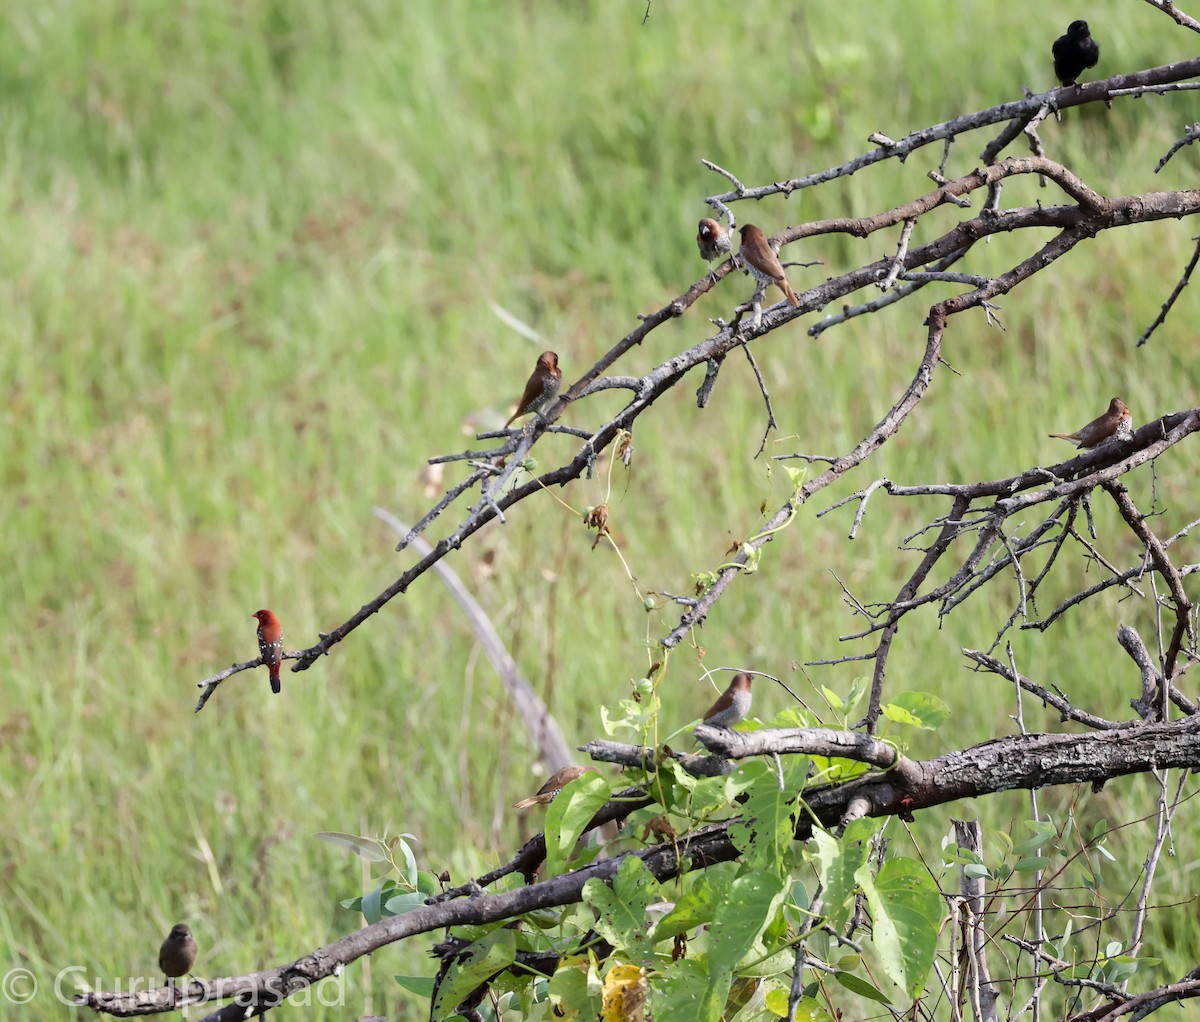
(765, 835)
(899, 715)
(832, 698)
(372, 901)
(420, 985)
(927, 710)
(964, 855)
(906, 907)
(402, 903)
(410, 863)
(775, 1002)
(1044, 834)
(858, 985)
(568, 990)
(708, 796)
(809, 1009)
(621, 909)
(364, 847)
(695, 908)
(630, 714)
(568, 816)
(477, 963)
(428, 884)
(1031, 865)
(839, 862)
(791, 717)
(679, 993)
(744, 777)
(673, 769)
(858, 689)
(756, 967)
(795, 911)
(754, 898)
(796, 475)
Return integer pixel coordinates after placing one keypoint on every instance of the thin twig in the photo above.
(1166, 306)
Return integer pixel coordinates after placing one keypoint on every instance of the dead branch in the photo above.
(1028, 761)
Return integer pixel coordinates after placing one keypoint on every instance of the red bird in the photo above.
(270, 644)
(542, 388)
(554, 784)
(759, 258)
(712, 240)
(1116, 421)
(733, 705)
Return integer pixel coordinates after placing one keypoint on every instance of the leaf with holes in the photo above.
(621, 909)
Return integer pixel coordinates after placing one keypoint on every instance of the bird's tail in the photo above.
(525, 803)
(275, 686)
(786, 287)
(1073, 437)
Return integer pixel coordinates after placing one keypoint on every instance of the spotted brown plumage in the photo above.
(1117, 421)
(542, 387)
(713, 241)
(733, 705)
(554, 784)
(759, 259)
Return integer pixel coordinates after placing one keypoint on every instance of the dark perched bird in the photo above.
(733, 705)
(759, 258)
(178, 953)
(270, 644)
(1074, 52)
(1115, 422)
(554, 784)
(542, 388)
(712, 239)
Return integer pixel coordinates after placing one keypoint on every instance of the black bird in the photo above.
(1074, 52)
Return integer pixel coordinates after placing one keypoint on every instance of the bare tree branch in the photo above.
(1003, 764)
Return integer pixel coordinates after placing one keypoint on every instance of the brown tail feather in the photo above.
(786, 287)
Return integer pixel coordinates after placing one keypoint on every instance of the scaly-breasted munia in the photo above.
(270, 644)
(759, 258)
(178, 953)
(554, 784)
(733, 705)
(1074, 52)
(542, 388)
(713, 240)
(1116, 421)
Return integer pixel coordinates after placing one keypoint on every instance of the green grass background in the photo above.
(247, 252)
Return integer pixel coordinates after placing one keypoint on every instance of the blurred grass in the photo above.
(246, 257)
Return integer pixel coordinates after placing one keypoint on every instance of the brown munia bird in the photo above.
(713, 240)
(733, 705)
(270, 644)
(759, 258)
(1115, 422)
(177, 954)
(554, 784)
(542, 388)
